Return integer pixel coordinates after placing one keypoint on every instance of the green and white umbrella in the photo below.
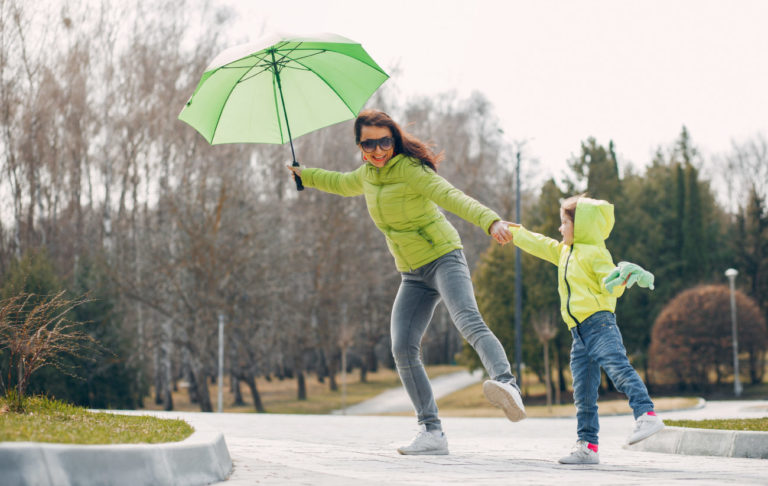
(249, 92)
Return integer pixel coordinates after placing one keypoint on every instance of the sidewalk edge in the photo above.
(202, 458)
(706, 442)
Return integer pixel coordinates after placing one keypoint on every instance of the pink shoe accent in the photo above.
(652, 413)
(592, 447)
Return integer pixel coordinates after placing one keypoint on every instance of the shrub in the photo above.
(36, 332)
(691, 339)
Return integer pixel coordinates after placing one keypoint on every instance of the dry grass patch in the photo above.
(280, 396)
(470, 402)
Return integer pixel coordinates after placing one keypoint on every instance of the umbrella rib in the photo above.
(372, 66)
(234, 85)
(218, 118)
(329, 86)
(243, 79)
(317, 51)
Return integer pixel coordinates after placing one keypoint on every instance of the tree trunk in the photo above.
(648, 383)
(192, 388)
(302, 386)
(561, 387)
(203, 395)
(363, 372)
(332, 365)
(158, 380)
(548, 381)
(373, 362)
(165, 365)
(250, 381)
(236, 389)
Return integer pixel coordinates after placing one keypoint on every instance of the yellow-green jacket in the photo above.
(582, 266)
(403, 199)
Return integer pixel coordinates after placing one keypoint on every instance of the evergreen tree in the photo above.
(599, 169)
(752, 248)
(540, 286)
(494, 282)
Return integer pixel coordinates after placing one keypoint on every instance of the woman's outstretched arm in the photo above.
(341, 183)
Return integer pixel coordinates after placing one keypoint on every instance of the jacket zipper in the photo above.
(423, 235)
(568, 287)
(381, 215)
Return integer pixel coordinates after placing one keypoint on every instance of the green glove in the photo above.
(629, 273)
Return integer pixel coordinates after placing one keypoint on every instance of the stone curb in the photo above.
(705, 442)
(202, 458)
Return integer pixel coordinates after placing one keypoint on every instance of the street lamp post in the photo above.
(518, 283)
(220, 377)
(731, 274)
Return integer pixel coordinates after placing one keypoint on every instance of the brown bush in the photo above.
(691, 339)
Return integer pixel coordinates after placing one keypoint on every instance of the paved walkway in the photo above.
(353, 450)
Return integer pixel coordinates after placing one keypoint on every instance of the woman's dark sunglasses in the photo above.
(385, 143)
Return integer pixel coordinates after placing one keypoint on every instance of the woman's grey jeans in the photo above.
(420, 291)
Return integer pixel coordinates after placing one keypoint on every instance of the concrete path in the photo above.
(396, 399)
(334, 450)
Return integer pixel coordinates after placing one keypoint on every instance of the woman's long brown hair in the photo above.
(405, 143)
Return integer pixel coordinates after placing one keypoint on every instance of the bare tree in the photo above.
(37, 332)
(546, 325)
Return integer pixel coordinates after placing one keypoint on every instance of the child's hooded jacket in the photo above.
(582, 266)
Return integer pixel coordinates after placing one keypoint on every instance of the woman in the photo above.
(403, 191)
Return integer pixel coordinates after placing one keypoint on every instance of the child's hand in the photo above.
(500, 232)
(628, 274)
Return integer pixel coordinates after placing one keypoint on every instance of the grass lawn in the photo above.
(758, 424)
(47, 420)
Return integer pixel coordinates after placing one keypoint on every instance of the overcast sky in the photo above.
(558, 72)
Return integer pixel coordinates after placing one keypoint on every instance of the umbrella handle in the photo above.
(299, 184)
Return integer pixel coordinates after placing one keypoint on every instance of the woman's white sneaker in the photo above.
(426, 443)
(506, 397)
(645, 426)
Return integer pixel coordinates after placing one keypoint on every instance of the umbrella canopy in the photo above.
(250, 92)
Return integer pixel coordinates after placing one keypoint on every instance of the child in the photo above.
(589, 284)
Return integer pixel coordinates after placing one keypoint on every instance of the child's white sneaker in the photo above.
(645, 426)
(581, 454)
(506, 397)
(426, 443)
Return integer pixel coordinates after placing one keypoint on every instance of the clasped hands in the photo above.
(500, 231)
(628, 274)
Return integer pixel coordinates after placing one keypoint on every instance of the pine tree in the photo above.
(752, 248)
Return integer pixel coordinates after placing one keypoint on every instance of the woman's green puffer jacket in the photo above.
(403, 199)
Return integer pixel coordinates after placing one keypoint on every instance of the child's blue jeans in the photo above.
(597, 343)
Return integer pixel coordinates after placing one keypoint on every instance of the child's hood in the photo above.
(593, 222)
